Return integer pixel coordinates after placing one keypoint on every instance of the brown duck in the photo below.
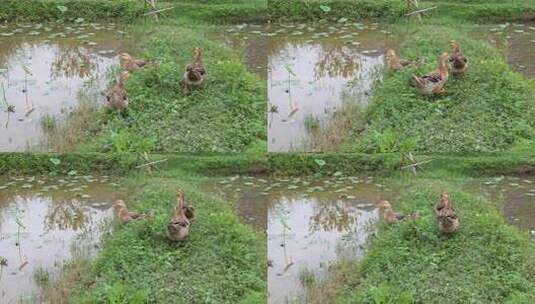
(433, 83)
(448, 222)
(131, 64)
(393, 62)
(195, 72)
(117, 97)
(458, 63)
(392, 217)
(179, 226)
(123, 214)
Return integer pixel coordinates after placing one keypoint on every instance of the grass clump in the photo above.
(221, 12)
(333, 10)
(68, 10)
(484, 11)
(486, 261)
(489, 109)
(222, 261)
(226, 115)
(25, 163)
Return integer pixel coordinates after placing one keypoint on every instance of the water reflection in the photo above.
(250, 40)
(42, 219)
(518, 40)
(311, 222)
(42, 69)
(313, 70)
(517, 194)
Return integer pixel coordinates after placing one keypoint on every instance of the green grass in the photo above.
(487, 261)
(219, 12)
(25, 163)
(68, 10)
(222, 261)
(289, 10)
(489, 109)
(226, 115)
(484, 11)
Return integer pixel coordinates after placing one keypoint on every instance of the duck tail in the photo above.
(415, 81)
(198, 54)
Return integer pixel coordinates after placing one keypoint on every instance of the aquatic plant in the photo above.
(41, 276)
(48, 122)
(9, 108)
(312, 124)
(3, 263)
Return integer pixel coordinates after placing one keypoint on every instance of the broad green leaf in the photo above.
(325, 8)
(320, 162)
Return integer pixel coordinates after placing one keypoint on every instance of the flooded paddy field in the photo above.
(43, 69)
(517, 195)
(310, 222)
(251, 40)
(518, 42)
(314, 70)
(44, 222)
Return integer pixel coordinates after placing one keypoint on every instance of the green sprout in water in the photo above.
(9, 107)
(20, 228)
(3, 263)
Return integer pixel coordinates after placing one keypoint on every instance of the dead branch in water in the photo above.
(152, 163)
(421, 11)
(158, 11)
(414, 164)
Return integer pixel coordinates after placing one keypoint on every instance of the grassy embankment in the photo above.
(68, 10)
(482, 10)
(333, 10)
(487, 261)
(487, 110)
(227, 115)
(223, 261)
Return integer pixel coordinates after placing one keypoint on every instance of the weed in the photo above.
(307, 277)
(41, 276)
(48, 122)
(312, 124)
(68, 10)
(334, 10)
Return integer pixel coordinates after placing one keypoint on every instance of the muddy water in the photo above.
(517, 195)
(310, 223)
(42, 69)
(43, 222)
(518, 40)
(313, 70)
(250, 39)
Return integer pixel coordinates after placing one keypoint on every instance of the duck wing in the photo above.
(433, 77)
